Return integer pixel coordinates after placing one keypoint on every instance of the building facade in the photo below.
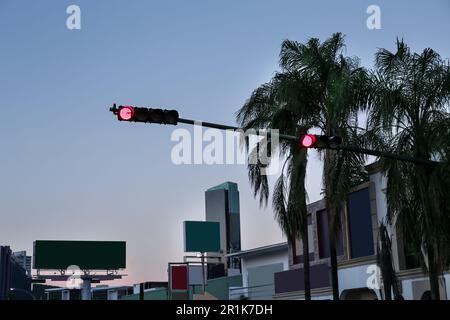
(15, 282)
(259, 265)
(23, 260)
(359, 277)
(222, 205)
(101, 292)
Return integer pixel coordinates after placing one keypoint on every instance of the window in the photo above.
(360, 224)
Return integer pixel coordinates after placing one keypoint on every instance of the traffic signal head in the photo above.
(307, 140)
(319, 141)
(171, 116)
(125, 113)
(140, 114)
(156, 116)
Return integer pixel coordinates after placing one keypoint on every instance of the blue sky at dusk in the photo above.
(69, 170)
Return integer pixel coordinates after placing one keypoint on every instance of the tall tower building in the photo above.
(23, 260)
(222, 205)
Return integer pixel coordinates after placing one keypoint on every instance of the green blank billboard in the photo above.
(201, 236)
(87, 255)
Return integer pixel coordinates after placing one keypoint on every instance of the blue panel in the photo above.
(360, 224)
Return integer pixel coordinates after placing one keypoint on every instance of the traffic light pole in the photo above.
(348, 148)
(140, 114)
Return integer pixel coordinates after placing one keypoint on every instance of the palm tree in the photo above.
(318, 87)
(342, 90)
(282, 104)
(384, 261)
(409, 112)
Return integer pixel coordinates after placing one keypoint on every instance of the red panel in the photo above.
(179, 277)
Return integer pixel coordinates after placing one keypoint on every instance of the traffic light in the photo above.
(319, 141)
(149, 115)
(125, 113)
(307, 140)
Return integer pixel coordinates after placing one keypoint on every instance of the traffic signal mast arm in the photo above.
(389, 155)
(225, 127)
(134, 114)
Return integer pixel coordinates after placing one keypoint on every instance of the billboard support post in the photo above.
(86, 289)
(203, 272)
(141, 291)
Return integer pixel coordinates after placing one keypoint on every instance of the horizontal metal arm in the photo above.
(349, 148)
(225, 127)
(389, 155)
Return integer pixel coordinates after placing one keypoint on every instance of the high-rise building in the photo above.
(23, 260)
(5, 272)
(14, 281)
(222, 205)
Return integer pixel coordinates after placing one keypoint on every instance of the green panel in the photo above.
(201, 236)
(261, 281)
(92, 255)
(263, 275)
(226, 185)
(219, 287)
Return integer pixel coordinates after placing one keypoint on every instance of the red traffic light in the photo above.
(126, 113)
(320, 142)
(307, 140)
(146, 115)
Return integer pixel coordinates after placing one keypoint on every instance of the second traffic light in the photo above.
(319, 141)
(149, 115)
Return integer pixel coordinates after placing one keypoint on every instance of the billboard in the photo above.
(201, 236)
(87, 255)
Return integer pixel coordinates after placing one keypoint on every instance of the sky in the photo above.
(69, 170)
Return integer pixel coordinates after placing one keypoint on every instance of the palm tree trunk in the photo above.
(333, 263)
(294, 249)
(306, 267)
(331, 225)
(433, 275)
(387, 289)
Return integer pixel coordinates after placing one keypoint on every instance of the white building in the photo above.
(258, 267)
(358, 274)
